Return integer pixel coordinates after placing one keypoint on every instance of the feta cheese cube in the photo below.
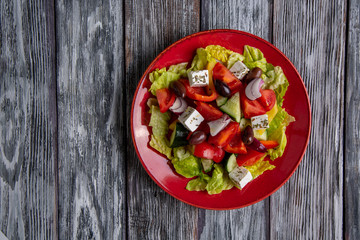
(239, 70)
(260, 122)
(240, 176)
(191, 119)
(198, 78)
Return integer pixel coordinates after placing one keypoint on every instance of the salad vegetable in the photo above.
(220, 121)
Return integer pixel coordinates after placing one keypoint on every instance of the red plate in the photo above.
(296, 103)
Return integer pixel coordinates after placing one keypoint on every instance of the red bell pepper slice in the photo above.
(192, 92)
(270, 144)
(258, 106)
(219, 154)
(165, 98)
(204, 150)
(236, 144)
(220, 72)
(224, 136)
(209, 112)
(250, 158)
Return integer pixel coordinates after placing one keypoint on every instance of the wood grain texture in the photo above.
(352, 126)
(27, 120)
(151, 26)
(310, 205)
(255, 17)
(90, 120)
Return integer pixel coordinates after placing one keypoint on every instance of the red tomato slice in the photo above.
(236, 144)
(250, 158)
(224, 136)
(267, 99)
(165, 98)
(204, 150)
(270, 144)
(218, 155)
(220, 72)
(209, 112)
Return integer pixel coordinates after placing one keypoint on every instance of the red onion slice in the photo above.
(252, 90)
(182, 107)
(176, 104)
(217, 125)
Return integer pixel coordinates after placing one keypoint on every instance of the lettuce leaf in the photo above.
(188, 167)
(276, 132)
(200, 60)
(220, 53)
(233, 58)
(259, 167)
(198, 184)
(219, 181)
(254, 58)
(276, 80)
(161, 78)
(159, 124)
(161, 144)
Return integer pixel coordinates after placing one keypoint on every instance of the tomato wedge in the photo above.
(165, 98)
(220, 72)
(236, 144)
(219, 154)
(258, 106)
(192, 92)
(209, 112)
(224, 136)
(204, 150)
(270, 144)
(250, 158)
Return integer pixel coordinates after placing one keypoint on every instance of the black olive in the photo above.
(254, 73)
(247, 135)
(222, 88)
(178, 88)
(197, 137)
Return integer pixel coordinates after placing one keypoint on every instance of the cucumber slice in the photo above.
(260, 134)
(207, 164)
(220, 100)
(231, 163)
(232, 107)
(178, 136)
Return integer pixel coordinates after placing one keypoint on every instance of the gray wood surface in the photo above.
(27, 120)
(150, 28)
(68, 72)
(90, 78)
(310, 205)
(352, 125)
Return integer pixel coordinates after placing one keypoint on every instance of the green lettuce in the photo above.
(200, 60)
(188, 167)
(254, 58)
(259, 167)
(199, 183)
(276, 80)
(219, 181)
(161, 78)
(160, 127)
(233, 58)
(220, 53)
(161, 144)
(276, 132)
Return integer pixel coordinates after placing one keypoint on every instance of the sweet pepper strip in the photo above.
(191, 93)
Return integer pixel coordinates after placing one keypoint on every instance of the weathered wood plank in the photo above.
(310, 205)
(28, 146)
(254, 17)
(352, 126)
(90, 119)
(151, 26)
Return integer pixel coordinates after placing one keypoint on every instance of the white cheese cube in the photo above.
(191, 119)
(260, 122)
(239, 70)
(198, 78)
(240, 176)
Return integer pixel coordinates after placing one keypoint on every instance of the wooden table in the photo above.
(68, 72)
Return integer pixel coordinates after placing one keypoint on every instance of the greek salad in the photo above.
(218, 120)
